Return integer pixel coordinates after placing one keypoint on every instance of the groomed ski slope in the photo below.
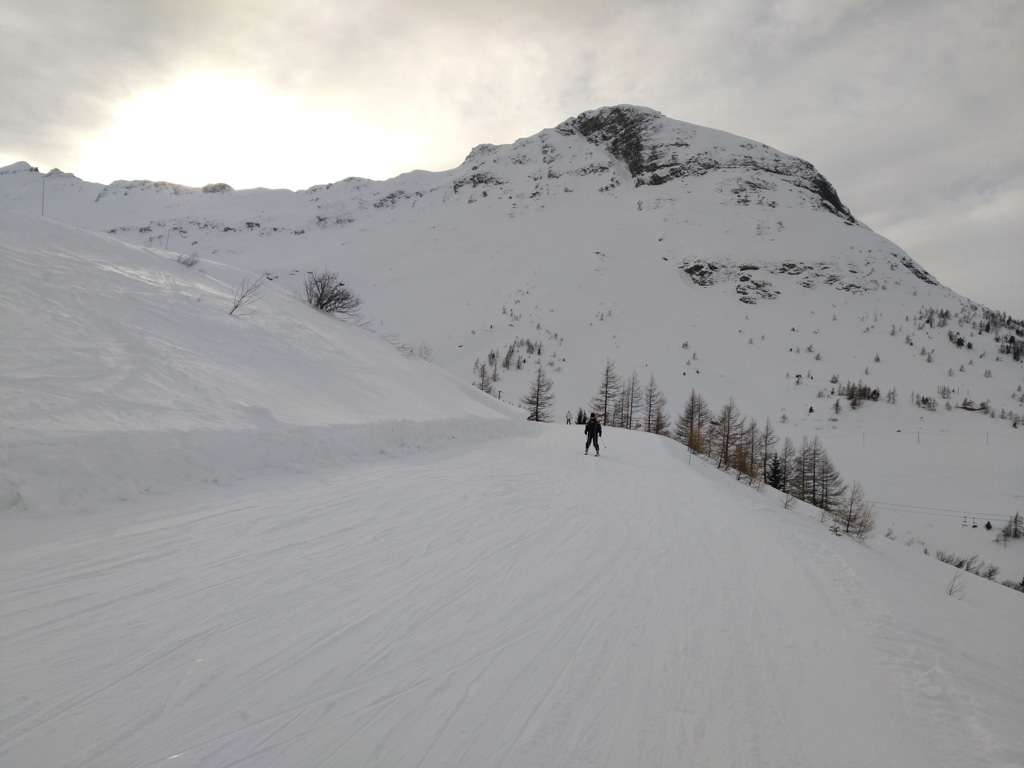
(512, 603)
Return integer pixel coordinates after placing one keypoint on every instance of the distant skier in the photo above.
(593, 430)
(568, 417)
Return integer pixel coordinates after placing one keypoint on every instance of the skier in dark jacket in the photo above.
(593, 430)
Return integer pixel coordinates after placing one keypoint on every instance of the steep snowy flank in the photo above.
(123, 373)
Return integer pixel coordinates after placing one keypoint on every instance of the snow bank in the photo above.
(123, 373)
(83, 472)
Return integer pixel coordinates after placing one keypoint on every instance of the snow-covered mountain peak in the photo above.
(658, 150)
(19, 167)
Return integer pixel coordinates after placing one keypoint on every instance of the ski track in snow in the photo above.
(510, 604)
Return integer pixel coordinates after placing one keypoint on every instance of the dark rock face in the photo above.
(656, 150)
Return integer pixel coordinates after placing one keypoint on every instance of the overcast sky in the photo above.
(913, 109)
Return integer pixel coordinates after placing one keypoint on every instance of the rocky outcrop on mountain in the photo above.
(657, 151)
(755, 281)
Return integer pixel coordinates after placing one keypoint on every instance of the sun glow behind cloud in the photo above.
(204, 128)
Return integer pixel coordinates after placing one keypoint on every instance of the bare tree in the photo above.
(630, 402)
(767, 445)
(804, 476)
(246, 294)
(855, 515)
(540, 398)
(955, 588)
(484, 382)
(750, 441)
(661, 423)
(1014, 529)
(691, 428)
(787, 464)
(726, 433)
(654, 408)
(326, 292)
(830, 484)
(607, 393)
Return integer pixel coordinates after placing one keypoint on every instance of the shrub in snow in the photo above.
(247, 293)
(326, 292)
(970, 564)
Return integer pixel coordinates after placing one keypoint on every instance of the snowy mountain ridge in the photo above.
(617, 149)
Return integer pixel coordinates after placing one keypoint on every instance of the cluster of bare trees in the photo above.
(628, 404)
(488, 377)
(802, 472)
(1014, 529)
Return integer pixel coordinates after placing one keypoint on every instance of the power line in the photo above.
(937, 511)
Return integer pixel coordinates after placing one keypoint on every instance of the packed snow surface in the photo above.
(510, 603)
(269, 539)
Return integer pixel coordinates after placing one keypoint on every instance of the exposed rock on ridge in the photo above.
(657, 152)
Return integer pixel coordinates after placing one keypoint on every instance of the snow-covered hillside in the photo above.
(709, 261)
(123, 373)
(270, 539)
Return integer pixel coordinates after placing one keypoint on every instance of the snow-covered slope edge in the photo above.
(122, 372)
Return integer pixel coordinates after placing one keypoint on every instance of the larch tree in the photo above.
(787, 466)
(484, 382)
(630, 402)
(817, 480)
(805, 471)
(539, 399)
(750, 442)
(768, 442)
(661, 423)
(607, 393)
(831, 488)
(727, 430)
(691, 427)
(654, 408)
(855, 515)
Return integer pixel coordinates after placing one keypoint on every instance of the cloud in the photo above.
(903, 105)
